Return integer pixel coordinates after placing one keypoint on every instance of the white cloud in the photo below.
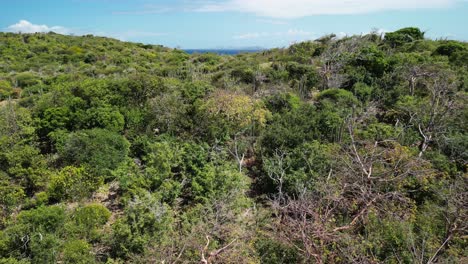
(25, 26)
(302, 8)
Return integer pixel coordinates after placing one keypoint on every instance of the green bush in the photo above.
(380, 132)
(363, 92)
(459, 58)
(104, 117)
(27, 79)
(13, 261)
(389, 239)
(44, 248)
(290, 129)
(44, 218)
(27, 166)
(244, 74)
(404, 35)
(11, 196)
(57, 118)
(448, 48)
(72, 184)
(6, 90)
(87, 221)
(146, 221)
(99, 149)
(283, 102)
(301, 72)
(77, 251)
(35, 234)
(338, 97)
(373, 60)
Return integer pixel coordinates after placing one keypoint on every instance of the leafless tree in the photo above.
(429, 115)
(206, 257)
(276, 168)
(415, 73)
(238, 150)
(317, 219)
(456, 214)
(334, 59)
(441, 101)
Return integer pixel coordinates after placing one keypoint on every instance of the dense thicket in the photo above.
(350, 150)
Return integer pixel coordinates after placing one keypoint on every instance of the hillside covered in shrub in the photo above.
(337, 150)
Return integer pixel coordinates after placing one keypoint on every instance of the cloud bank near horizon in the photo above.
(25, 26)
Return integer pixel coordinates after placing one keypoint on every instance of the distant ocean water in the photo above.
(222, 51)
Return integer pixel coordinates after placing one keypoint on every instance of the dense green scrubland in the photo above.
(349, 150)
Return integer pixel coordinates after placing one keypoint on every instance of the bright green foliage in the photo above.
(380, 131)
(77, 251)
(168, 113)
(460, 58)
(244, 74)
(11, 196)
(73, 184)
(183, 170)
(130, 178)
(193, 91)
(87, 221)
(302, 50)
(229, 113)
(106, 118)
(137, 88)
(13, 261)
(37, 234)
(27, 166)
(6, 90)
(16, 125)
(43, 218)
(53, 119)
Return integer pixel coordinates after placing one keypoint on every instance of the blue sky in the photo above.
(233, 23)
